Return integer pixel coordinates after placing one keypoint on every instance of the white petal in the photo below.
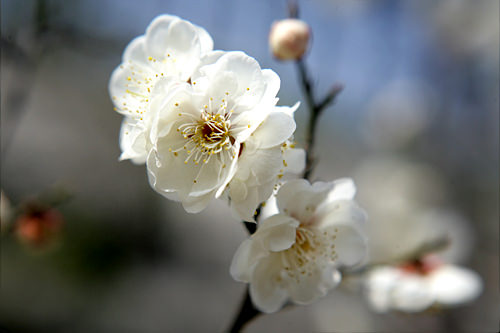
(161, 22)
(455, 285)
(350, 245)
(211, 175)
(132, 142)
(344, 189)
(295, 159)
(248, 254)
(230, 174)
(198, 203)
(166, 111)
(278, 232)
(342, 212)
(300, 199)
(250, 82)
(126, 95)
(178, 42)
(263, 191)
(411, 294)
(247, 122)
(314, 285)
(290, 110)
(170, 172)
(135, 52)
(264, 164)
(244, 200)
(274, 130)
(168, 32)
(216, 84)
(288, 190)
(276, 220)
(267, 294)
(270, 208)
(272, 81)
(244, 208)
(206, 41)
(210, 57)
(237, 190)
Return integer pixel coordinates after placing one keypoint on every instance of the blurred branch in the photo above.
(41, 17)
(315, 110)
(293, 9)
(247, 311)
(26, 58)
(330, 98)
(15, 97)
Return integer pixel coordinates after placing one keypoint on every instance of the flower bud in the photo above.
(39, 228)
(289, 39)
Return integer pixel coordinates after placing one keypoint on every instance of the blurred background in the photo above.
(417, 127)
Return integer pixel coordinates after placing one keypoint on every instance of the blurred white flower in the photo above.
(418, 285)
(167, 54)
(296, 253)
(221, 131)
(289, 39)
(407, 201)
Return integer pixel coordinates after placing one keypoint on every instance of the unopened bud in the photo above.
(289, 39)
(39, 228)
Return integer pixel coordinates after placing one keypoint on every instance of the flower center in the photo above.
(213, 131)
(313, 248)
(206, 135)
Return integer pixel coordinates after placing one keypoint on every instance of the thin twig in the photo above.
(247, 310)
(251, 227)
(330, 98)
(246, 314)
(315, 110)
(293, 9)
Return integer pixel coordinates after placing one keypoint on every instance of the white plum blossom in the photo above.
(221, 133)
(296, 253)
(418, 285)
(262, 170)
(166, 55)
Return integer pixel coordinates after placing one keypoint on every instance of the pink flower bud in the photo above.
(39, 228)
(289, 39)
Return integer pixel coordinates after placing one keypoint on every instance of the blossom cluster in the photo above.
(205, 122)
(207, 125)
